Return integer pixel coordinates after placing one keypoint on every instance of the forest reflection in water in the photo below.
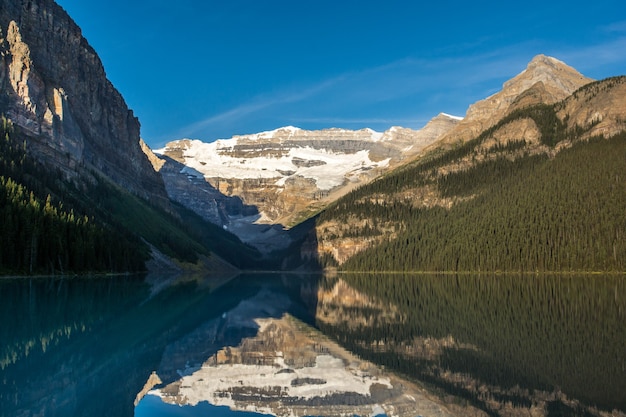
(85, 345)
(556, 341)
(550, 344)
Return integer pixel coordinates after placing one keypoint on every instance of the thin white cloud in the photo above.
(615, 27)
(591, 57)
(446, 84)
(357, 121)
(324, 102)
(256, 105)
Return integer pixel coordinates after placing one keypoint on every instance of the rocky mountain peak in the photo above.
(549, 71)
(545, 80)
(441, 123)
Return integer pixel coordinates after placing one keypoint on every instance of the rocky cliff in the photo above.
(54, 88)
(598, 108)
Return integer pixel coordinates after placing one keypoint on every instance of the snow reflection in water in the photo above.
(285, 368)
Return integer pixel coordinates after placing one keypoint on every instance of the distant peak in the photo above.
(289, 128)
(552, 72)
(542, 65)
(545, 60)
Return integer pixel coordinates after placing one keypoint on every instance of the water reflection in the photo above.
(258, 356)
(501, 345)
(152, 406)
(554, 344)
(86, 346)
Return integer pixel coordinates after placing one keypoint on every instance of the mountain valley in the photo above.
(289, 174)
(284, 176)
(282, 199)
(473, 267)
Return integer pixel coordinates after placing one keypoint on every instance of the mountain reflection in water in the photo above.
(501, 345)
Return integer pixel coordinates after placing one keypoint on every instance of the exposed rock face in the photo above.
(283, 176)
(334, 238)
(545, 80)
(600, 106)
(53, 86)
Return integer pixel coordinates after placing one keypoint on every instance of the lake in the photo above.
(313, 345)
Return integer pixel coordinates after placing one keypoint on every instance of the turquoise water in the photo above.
(152, 406)
(86, 346)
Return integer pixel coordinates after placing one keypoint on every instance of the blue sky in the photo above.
(211, 69)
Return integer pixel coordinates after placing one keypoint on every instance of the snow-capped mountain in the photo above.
(326, 158)
(281, 176)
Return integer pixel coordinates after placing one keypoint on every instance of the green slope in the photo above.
(526, 213)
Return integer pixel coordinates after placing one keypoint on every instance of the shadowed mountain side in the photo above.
(54, 87)
(188, 187)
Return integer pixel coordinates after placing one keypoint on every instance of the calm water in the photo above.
(88, 346)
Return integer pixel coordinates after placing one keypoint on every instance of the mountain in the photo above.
(540, 189)
(55, 89)
(81, 192)
(545, 80)
(281, 177)
(77, 189)
(259, 186)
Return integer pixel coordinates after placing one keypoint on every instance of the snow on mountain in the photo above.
(453, 117)
(327, 166)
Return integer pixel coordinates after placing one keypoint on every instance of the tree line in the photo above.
(54, 224)
(526, 215)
